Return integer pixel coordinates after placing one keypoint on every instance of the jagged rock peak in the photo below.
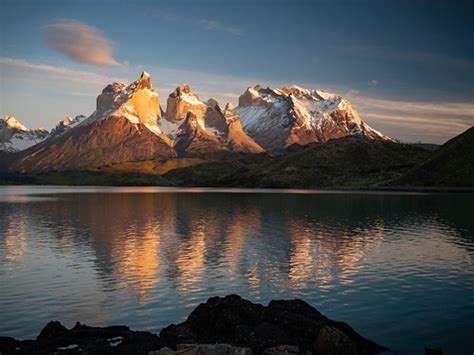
(12, 122)
(66, 124)
(250, 96)
(182, 100)
(138, 102)
(194, 121)
(114, 88)
(184, 91)
(278, 118)
(212, 102)
(143, 83)
(15, 137)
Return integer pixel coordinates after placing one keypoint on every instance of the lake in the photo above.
(398, 267)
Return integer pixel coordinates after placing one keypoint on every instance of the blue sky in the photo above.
(408, 66)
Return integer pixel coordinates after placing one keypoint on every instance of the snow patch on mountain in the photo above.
(278, 118)
(15, 137)
(137, 102)
(67, 124)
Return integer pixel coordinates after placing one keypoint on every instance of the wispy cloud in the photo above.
(416, 120)
(215, 25)
(80, 42)
(53, 72)
(207, 24)
(51, 92)
(417, 107)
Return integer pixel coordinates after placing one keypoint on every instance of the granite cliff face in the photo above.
(205, 129)
(182, 100)
(123, 128)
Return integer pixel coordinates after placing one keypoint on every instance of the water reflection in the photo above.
(142, 254)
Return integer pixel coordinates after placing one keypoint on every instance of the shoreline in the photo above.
(222, 325)
(290, 190)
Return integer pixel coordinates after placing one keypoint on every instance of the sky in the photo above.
(407, 65)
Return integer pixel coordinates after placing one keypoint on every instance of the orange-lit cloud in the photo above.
(80, 42)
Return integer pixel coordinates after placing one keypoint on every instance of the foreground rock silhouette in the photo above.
(237, 325)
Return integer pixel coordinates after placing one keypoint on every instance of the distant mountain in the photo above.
(129, 129)
(66, 124)
(204, 129)
(15, 137)
(452, 164)
(279, 118)
(123, 128)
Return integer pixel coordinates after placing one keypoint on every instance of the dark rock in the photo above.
(282, 350)
(362, 343)
(332, 341)
(53, 329)
(212, 349)
(434, 351)
(8, 344)
(238, 326)
(173, 335)
(233, 320)
(162, 351)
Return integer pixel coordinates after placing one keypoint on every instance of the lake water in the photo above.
(398, 267)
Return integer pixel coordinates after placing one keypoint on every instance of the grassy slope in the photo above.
(151, 166)
(348, 162)
(450, 165)
(88, 178)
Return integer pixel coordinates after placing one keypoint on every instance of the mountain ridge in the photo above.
(129, 125)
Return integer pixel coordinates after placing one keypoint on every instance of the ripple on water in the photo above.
(399, 268)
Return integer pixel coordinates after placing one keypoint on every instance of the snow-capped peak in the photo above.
(66, 124)
(277, 118)
(185, 93)
(12, 122)
(15, 137)
(182, 100)
(138, 102)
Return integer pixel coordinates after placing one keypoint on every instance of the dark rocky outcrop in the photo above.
(237, 325)
(233, 320)
(82, 339)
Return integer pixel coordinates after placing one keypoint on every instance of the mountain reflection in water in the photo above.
(379, 261)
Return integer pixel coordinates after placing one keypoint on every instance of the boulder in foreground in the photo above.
(222, 325)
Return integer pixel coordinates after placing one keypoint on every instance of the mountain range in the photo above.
(130, 125)
(272, 130)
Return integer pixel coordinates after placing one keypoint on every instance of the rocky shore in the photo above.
(223, 325)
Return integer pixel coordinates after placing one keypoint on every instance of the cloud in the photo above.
(41, 71)
(411, 121)
(374, 82)
(208, 24)
(80, 42)
(218, 26)
(418, 107)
